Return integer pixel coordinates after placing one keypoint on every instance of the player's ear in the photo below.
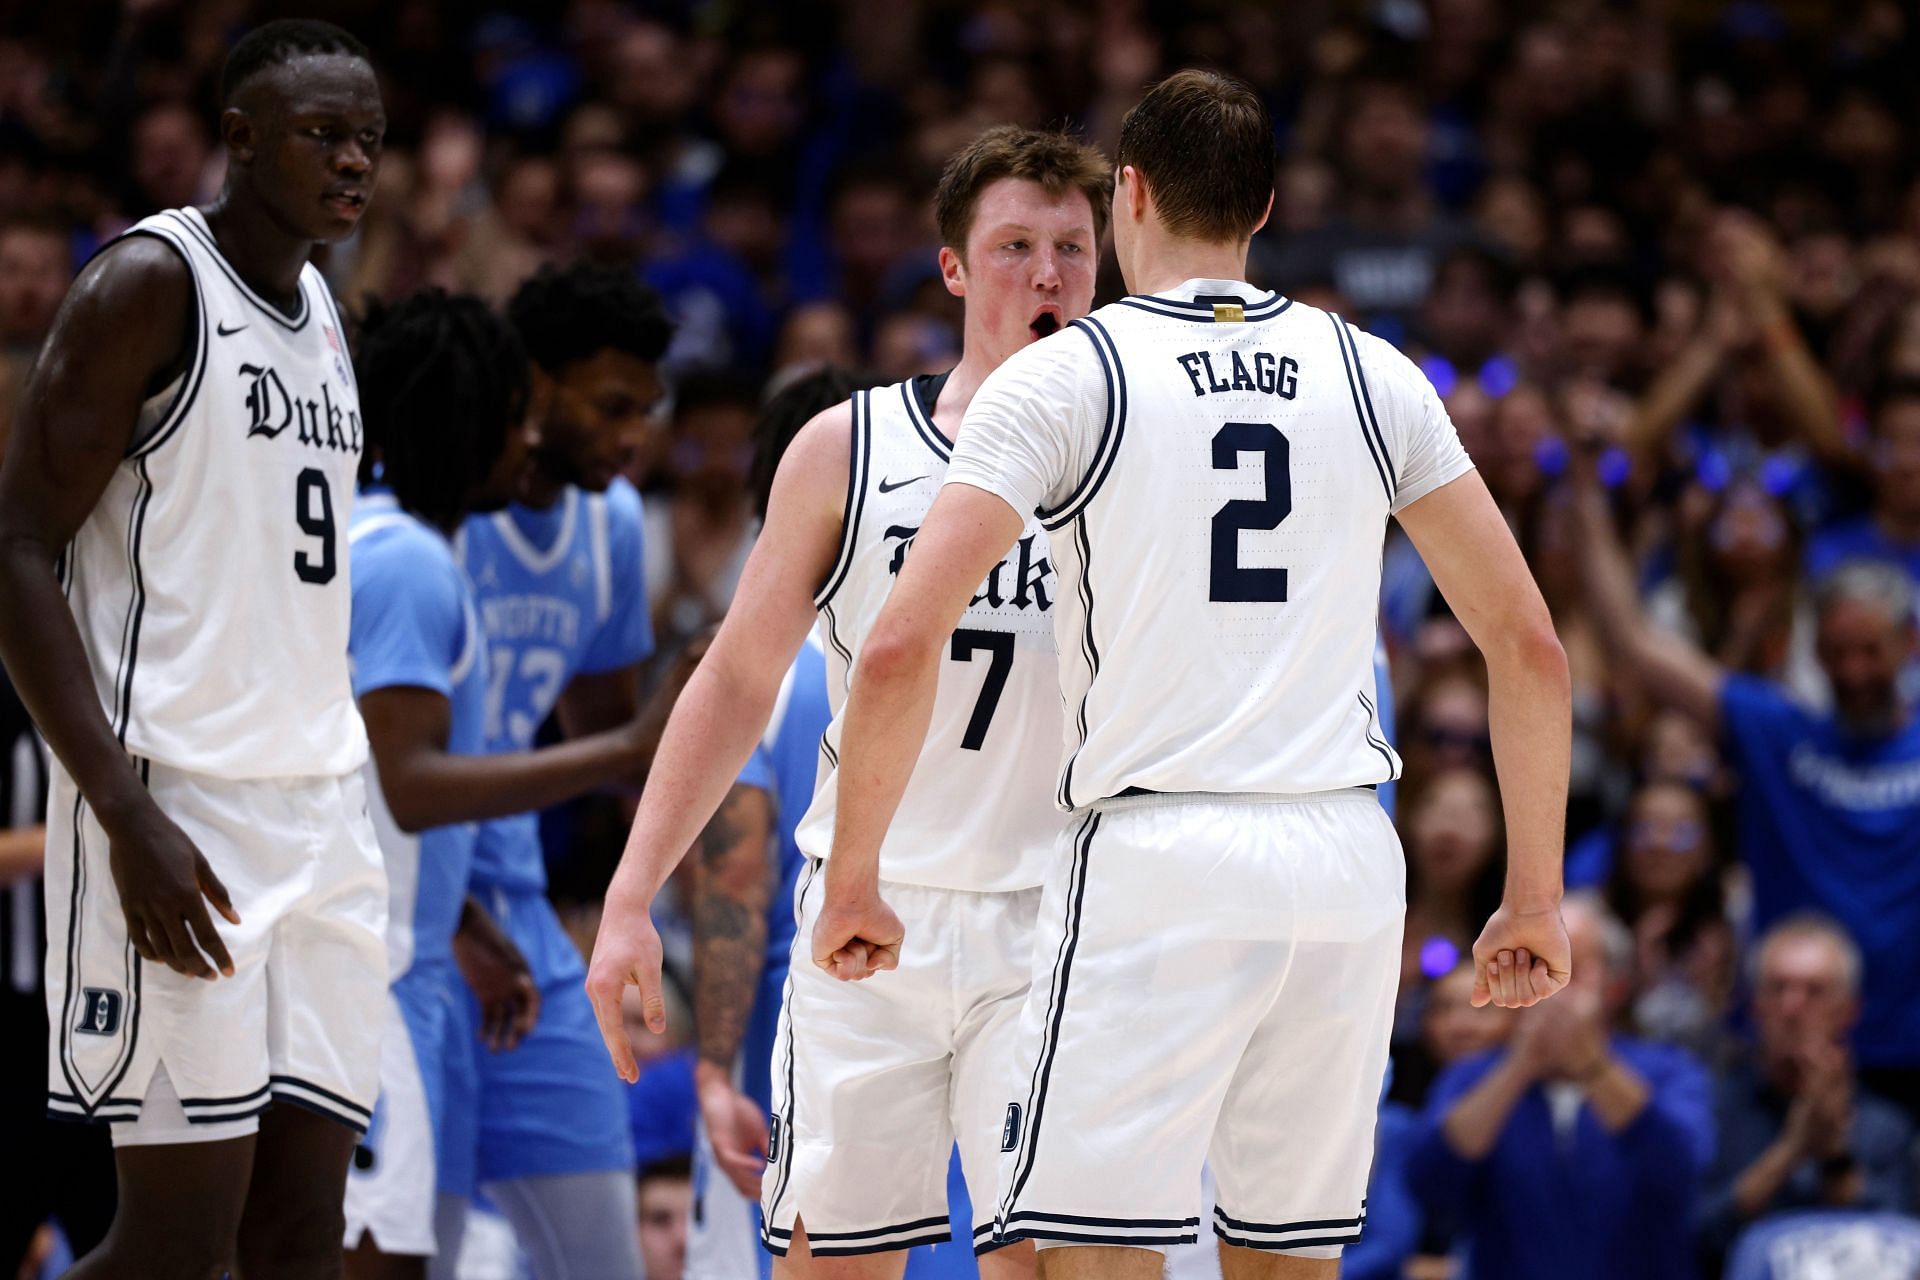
(1264, 215)
(1136, 192)
(237, 132)
(953, 271)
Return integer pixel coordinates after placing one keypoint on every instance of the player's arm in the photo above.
(595, 701)
(733, 884)
(426, 785)
(75, 422)
(722, 713)
(23, 852)
(889, 707)
(1460, 533)
(1673, 670)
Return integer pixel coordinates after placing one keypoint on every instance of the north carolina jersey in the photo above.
(977, 811)
(210, 581)
(414, 626)
(1216, 467)
(561, 592)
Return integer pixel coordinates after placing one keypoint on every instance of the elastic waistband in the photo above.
(1136, 798)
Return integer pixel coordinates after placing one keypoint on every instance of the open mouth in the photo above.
(349, 200)
(1045, 322)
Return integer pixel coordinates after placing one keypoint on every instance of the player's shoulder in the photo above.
(138, 273)
(1380, 359)
(822, 450)
(391, 545)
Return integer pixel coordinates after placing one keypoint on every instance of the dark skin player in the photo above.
(303, 142)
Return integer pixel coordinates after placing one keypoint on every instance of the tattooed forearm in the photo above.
(734, 884)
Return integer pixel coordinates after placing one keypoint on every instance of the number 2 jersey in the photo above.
(1216, 466)
(978, 812)
(210, 582)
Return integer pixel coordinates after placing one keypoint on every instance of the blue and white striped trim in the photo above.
(218, 1110)
(1111, 431)
(1181, 309)
(848, 1244)
(1309, 1234)
(1378, 741)
(1363, 404)
(304, 1093)
(65, 1106)
(859, 460)
(930, 433)
(1081, 1229)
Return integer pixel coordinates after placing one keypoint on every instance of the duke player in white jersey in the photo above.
(444, 390)
(870, 1086)
(174, 611)
(1218, 948)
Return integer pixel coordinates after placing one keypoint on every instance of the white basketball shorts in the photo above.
(874, 1081)
(392, 1183)
(1214, 983)
(298, 1021)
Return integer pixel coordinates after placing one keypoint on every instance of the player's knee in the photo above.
(299, 1236)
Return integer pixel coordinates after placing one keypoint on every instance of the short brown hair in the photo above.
(1204, 143)
(1059, 162)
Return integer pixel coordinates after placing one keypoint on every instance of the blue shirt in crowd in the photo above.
(1830, 821)
(1860, 539)
(1573, 1201)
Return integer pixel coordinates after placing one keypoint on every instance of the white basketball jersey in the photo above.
(1216, 467)
(978, 811)
(210, 582)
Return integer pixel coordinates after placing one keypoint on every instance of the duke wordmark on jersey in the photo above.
(271, 409)
(1027, 563)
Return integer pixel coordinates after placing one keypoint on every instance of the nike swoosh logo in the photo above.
(225, 332)
(888, 486)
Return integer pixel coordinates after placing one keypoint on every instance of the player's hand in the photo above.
(625, 954)
(736, 1128)
(1522, 957)
(501, 980)
(165, 885)
(857, 938)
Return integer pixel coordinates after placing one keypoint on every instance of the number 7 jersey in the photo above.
(1215, 466)
(210, 582)
(978, 812)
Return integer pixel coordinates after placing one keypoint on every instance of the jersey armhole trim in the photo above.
(187, 386)
(1356, 384)
(1111, 430)
(195, 223)
(859, 459)
(339, 324)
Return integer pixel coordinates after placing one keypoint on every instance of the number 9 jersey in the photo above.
(1215, 466)
(210, 582)
(977, 814)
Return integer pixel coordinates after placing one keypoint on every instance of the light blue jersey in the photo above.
(562, 593)
(414, 625)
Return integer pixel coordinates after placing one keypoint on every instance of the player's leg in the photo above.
(391, 1183)
(1100, 1262)
(130, 1040)
(1295, 1139)
(998, 946)
(326, 993)
(294, 1222)
(861, 1136)
(1132, 1037)
(179, 1211)
(1250, 1264)
(555, 1142)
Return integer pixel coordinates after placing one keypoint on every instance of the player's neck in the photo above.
(1164, 264)
(256, 246)
(538, 492)
(976, 362)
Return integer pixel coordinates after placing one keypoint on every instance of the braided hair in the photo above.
(442, 379)
(274, 43)
(570, 313)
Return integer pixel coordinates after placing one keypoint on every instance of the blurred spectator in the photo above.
(35, 266)
(1890, 531)
(701, 527)
(1795, 1129)
(1574, 1151)
(1456, 863)
(1828, 812)
(1381, 247)
(666, 1207)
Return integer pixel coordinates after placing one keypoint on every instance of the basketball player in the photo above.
(173, 608)
(1217, 466)
(443, 383)
(562, 596)
(870, 1086)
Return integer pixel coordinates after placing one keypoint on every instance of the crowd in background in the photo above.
(1662, 261)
